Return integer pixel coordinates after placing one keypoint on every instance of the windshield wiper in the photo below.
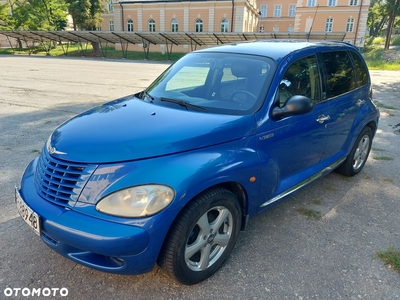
(185, 104)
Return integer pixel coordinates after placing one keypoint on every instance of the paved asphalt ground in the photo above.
(282, 254)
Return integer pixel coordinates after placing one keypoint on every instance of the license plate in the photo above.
(27, 214)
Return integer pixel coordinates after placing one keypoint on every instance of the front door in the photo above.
(290, 149)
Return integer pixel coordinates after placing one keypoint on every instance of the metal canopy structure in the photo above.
(169, 39)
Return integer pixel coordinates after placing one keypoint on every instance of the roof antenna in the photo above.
(309, 32)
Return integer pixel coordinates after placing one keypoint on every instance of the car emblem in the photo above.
(53, 150)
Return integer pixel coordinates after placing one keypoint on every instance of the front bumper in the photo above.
(96, 243)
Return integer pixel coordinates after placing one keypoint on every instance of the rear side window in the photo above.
(340, 73)
(361, 71)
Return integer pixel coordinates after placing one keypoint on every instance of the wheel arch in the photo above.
(373, 126)
(235, 188)
(240, 193)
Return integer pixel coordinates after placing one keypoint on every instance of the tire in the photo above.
(358, 154)
(202, 237)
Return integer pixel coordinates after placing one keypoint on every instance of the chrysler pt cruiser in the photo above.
(173, 173)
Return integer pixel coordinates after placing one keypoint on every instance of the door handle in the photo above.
(360, 102)
(322, 118)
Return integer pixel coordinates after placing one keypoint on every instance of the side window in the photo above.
(361, 71)
(301, 78)
(340, 73)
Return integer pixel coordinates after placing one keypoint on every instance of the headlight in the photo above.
(139, 201)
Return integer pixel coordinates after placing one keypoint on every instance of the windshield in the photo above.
(213, 82)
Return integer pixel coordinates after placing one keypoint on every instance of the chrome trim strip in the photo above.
(305, 182)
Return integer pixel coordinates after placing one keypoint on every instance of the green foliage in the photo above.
(384, 106)
(375, 57)
(383, 158)
(382, 13)
(377, 17)
(6, 22)
(378, 41)
(310, 213)
(390, 257)
(86, 14)
(79, 11)
(392, 6)
(75, 50)
(396, 41)
(35, 15)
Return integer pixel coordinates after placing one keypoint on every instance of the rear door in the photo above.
(344, 100)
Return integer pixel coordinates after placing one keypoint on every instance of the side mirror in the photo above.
(295, 105)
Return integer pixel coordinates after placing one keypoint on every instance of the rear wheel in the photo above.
(202, 238)
(358, 155)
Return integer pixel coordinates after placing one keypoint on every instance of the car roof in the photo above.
(277, 49)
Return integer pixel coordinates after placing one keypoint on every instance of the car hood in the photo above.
(129, 129)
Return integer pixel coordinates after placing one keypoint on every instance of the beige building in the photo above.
(346, 16)
(181, 16)
(284, 16)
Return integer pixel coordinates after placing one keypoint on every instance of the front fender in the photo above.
(188, 173)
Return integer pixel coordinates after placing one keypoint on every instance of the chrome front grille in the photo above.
(59, 181)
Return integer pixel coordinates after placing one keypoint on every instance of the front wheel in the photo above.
(202, 238)
(358, 154)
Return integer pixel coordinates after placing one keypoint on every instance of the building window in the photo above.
(174, 25)
(224, 25)
(199, 25)
(290, 29)
(277, 11)
(130, 25)
(275, 29)
(353, 2)
(110, 6)
(329, 25)
(311, 2)
(349, 25)
(331, 2)
(263, 11)
(111, 25)
(292, 10)
(152, 25)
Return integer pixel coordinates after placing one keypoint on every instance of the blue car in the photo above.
(172, 174)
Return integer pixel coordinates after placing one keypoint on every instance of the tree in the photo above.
(377, 17)
(79, 11)
(6, 22)
(86, 15)
(36, 15)
(394, 10)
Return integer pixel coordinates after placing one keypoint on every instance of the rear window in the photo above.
(361, 70)
(340, 73)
